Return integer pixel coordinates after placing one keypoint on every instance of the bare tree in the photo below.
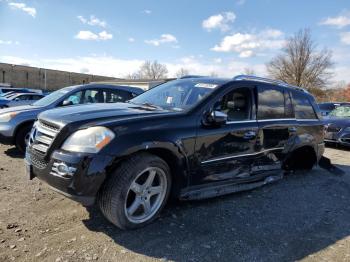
(301, 63)
(182, 72)
(213, 74)
(249, 71)
(152, 70)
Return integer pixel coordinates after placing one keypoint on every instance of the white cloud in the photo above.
(147, 11)
(93, 21)
(247, 44)
(246, 53)
(9, 42)
(131, 39)
(5, 42)
(221, 21)
(88, 35)
(22, 6)
(105, 36)
(164, 38)
(338, 21)
(345, 38)
(241, 2)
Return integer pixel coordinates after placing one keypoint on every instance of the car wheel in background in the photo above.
(136, 192)
(22, 137)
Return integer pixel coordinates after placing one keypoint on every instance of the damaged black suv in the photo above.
(190, 138)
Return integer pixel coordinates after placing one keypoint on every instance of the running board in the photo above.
(219, 190)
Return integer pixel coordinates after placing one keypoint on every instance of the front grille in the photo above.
(43, 135)
(35, 161)
(333, 129)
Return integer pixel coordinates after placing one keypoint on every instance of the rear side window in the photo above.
(270, 103)
(114, 96)
(302, 106)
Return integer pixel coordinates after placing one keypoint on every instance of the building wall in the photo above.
(33, 77)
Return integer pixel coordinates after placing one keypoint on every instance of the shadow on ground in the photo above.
(14, 153)
(286, 221)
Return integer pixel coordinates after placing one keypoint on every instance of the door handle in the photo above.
(249, 135)
(292, 129)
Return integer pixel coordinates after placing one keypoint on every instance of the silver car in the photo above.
(16, 123)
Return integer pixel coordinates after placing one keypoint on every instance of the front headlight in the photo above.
(90, 140)
(7, 117)
(347, 129)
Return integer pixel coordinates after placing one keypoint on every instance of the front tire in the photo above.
(136, 192)
(22, 136)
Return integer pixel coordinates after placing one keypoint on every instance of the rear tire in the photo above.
(136, 192)
(22, 134)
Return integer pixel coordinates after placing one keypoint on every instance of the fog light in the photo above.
(62, 170)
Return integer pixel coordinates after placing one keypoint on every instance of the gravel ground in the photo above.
(306, 216)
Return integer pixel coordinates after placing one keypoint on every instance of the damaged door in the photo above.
(277, 128)
(227, 151)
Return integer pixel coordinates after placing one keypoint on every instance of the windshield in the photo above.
(177, 95)
(49, 99)
(341, 111)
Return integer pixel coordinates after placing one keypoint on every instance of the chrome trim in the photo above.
(277, 119)
(243, 155)
(243, 121)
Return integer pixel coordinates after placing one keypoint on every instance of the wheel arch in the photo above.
(302, 157)
(24, 123)
(171, 154)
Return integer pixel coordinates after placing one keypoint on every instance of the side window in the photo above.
(94, 96)
(270, 103)
(23, 97)
(289, 111)
(303, 107)
(237, 104)
(73, 99)
(114, 96)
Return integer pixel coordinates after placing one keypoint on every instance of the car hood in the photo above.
(337, 121)
(98, 113)
(20, 109)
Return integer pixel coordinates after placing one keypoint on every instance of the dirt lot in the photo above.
(306, 216)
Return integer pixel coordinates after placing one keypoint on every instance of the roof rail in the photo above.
(190, 76)
(269, 81)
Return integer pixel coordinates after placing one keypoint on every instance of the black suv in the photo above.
(190, 138)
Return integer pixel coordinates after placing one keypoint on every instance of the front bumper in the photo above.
(88, 172)
(6, 134)
(342, 138)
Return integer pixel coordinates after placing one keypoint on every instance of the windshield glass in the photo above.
(177, 95)
(341, 111)
(49, 99)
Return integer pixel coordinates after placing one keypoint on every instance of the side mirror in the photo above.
(17, 99)
(216, 118)
(67, 103)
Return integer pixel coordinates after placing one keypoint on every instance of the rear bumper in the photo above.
(87, 173)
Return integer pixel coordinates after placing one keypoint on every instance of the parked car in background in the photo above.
(18, 99)
(10, 90)
(190, 138)
(337, 126)
(327, 107)
(16, 123)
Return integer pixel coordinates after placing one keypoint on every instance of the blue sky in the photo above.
(115, 37)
